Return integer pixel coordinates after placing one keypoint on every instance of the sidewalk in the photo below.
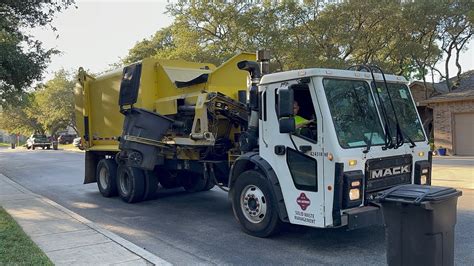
(66, 237)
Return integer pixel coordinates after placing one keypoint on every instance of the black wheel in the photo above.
(106, 174)
(192, 182)
(151, 185)
(130, 183)
(254, 205)
(48, 147)
(32, 147)
(209, 184)
(167, 178)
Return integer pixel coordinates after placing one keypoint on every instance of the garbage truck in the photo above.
(311, 147)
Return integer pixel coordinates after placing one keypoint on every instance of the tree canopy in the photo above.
(23, 59)
(47, 110)
(403, 37)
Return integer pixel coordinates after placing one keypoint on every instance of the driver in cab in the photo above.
(300, 121)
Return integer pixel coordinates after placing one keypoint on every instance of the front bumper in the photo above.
(362, 217)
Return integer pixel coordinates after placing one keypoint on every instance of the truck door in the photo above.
(297, 157)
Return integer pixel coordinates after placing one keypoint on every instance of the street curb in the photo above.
(146, 255)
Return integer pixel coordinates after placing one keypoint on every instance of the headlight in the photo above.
(422, 175)
(423, 179)
(354, 194)
(352, 189)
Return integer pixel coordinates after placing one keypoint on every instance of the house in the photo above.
(448, 116)
(420, 95)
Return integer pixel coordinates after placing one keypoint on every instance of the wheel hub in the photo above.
(253, 204)
(104, 178)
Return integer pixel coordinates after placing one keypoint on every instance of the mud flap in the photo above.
(92, 159)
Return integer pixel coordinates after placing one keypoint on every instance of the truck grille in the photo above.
(383, 173)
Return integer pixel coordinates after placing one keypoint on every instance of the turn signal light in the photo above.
(355, 184)
(421, 154)
(352, 162)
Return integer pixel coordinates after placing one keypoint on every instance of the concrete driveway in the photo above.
(453, 171)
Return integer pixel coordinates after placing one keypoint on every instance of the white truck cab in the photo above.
(329, 141)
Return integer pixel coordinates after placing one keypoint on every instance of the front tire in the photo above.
(106, 174)
(254, 205)
(130, 183)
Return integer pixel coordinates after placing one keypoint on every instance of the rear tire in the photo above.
(130, 183)
(192, 182)
(106, 174)
(254, 205)
(33, 147)
(48, 147)
(209, 184)
(151, 185)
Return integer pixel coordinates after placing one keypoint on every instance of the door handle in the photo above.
(305, 148)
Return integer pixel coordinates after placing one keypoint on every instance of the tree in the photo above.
(55, 103)
(48, 109)
(399, 36)
(23, 59)
(455, 30)
(19, 117)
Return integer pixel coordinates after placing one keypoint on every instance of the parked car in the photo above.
(38, 140)
(78, 143)
(66, 139)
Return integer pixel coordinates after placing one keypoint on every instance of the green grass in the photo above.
(4, 144)
(16, 247)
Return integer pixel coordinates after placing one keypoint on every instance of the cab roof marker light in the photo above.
(301, 73)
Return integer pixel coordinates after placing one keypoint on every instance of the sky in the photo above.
(99, 33)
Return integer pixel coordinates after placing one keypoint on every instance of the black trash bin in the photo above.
(419, 224)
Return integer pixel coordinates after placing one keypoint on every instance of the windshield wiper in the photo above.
(362, 113)
(388, 141)
(400, 138)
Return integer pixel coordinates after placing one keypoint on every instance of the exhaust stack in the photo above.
(249, 139)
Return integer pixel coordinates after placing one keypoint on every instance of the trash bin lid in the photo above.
(415, 194)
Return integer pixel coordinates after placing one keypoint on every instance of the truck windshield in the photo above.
(353, 113)
(404, 108)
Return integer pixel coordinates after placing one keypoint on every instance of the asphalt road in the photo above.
(195, 228)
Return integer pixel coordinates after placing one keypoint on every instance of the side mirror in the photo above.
(285, 113)
(285, 102)
(287, 124)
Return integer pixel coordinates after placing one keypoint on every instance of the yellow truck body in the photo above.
(162, 84)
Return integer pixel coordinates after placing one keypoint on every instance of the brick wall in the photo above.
(443, 115)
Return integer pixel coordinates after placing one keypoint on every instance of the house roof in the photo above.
(463, 91)
(439, 87)
(454, 96)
